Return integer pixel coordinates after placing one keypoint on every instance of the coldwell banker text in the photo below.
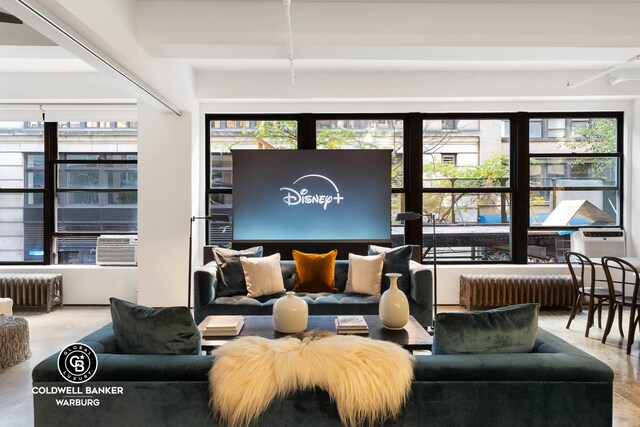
(302, 196)
(78, 396)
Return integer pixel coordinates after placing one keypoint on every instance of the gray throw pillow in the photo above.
(231, 279)
(396, 260)
(509, 329)
(144, 330)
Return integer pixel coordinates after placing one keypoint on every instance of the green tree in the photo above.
(492, 172)
(598, 136)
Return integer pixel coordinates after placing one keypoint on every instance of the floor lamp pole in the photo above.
(435, 266)
(190, 257)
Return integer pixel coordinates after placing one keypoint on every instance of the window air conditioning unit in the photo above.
(599, 242)
(117, 250)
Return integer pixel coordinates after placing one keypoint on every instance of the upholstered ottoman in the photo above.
(14, 341)
(6, 306)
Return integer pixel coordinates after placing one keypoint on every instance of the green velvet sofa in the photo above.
(207, 303)
(555, 385)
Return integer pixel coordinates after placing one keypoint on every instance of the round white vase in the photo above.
(290, 314)
(394, 306)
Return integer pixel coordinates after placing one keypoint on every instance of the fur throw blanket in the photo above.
(369, 380)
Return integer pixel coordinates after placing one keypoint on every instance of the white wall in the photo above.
(164, 205)
(88, 284)
(449, 276)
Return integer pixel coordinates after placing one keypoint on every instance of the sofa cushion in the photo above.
(231, 279)
(396, 260)
(263, 275)
(365, 274)
(318, 302)
(502, 330)
(315, 272)
(144, 330)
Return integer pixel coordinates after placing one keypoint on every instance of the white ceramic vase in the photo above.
(394, 306)
(290, 314)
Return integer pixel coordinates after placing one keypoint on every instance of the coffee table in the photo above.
(412, 337)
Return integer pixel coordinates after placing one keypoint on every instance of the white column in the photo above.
(632, 173)
(164, 205)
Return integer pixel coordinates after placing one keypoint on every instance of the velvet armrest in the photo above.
(421, 285)
(205, 283)
(133, 367)
(534, 367)
(101, 341)
(552, 359)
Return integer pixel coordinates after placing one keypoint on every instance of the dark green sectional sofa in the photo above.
(207, 303)
(555, 385)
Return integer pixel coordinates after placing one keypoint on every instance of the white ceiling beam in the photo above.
(76, 33)
(62, 87)
(379, 86)
(607, 24)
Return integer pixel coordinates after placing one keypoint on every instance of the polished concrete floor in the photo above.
(52, 331)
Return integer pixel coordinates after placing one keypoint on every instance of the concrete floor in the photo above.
(49, 332)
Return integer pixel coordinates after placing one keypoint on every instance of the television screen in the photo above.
(311, 195)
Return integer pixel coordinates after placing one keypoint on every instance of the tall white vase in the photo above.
(290, 314)
(394, 306)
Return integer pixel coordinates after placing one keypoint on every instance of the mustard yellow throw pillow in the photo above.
(315, 272)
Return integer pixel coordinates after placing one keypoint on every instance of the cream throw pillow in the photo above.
(365, 274)
(263, 275)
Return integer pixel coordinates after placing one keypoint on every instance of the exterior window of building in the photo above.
(21, 192)
(574, 179)
(468, 192)
(236, 134)
(371, 134)
(556, 128)
(535, 128)
(448, 159)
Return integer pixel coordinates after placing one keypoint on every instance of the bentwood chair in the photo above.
(627, 296)
(583, 276)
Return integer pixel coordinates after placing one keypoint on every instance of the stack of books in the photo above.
(223, 326)
(351, 325)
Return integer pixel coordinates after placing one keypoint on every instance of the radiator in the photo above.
(495, 290)
(32, 289)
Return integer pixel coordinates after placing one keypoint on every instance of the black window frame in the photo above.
(252, 119)
(509, 190)
(518, 188)
(50, 190)
(618, 154)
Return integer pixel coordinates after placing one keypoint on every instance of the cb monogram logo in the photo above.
(77, 363)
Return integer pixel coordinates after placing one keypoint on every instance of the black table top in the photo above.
(412, 337)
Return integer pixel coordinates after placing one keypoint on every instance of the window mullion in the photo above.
(520, 197)
(50, 184)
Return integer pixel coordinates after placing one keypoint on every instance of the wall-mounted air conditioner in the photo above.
(117, 250)
(599, 242)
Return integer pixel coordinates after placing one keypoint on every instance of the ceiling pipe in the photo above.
(622, 79)
(287, 11)
(84, 44)
(604, 73)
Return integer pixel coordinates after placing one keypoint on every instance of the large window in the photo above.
(238, 133)
(466, 186)
(348, 133)
(96, 186)
(574, 178)
(21, 192)
(477, 174)
(58, 196)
